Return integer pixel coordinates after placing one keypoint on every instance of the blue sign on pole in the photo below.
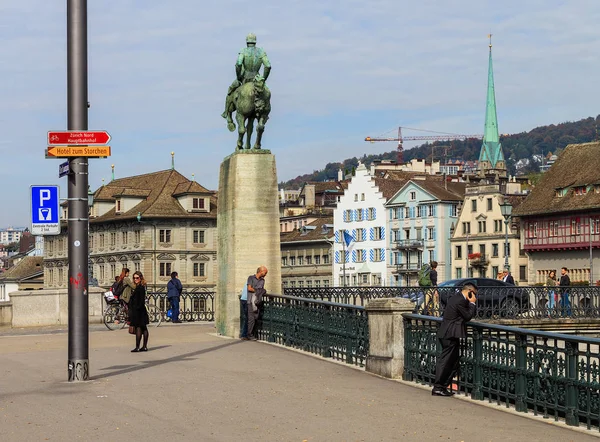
(45, 210)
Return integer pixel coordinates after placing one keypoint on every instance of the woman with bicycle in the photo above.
(138, 315)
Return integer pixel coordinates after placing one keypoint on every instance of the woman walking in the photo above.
(138, 315)
(552, 297)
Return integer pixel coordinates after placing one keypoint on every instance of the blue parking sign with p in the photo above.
(45, 210)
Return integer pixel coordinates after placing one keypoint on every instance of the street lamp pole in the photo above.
(506, 210)
(77, 119)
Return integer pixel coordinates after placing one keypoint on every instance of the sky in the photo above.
(341, 71)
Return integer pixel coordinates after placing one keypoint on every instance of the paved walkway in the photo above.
(193, 385)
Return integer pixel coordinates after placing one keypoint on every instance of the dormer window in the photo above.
(118, 206)
(580, 190)
(197, 203)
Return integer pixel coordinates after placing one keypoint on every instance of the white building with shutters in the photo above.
(361, 212)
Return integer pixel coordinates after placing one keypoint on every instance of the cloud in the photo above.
(342, 70)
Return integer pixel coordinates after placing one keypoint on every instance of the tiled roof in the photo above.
(160, 202)
(141, 193)
(451, 192)
(25, 268)
(389, 187)
(189, 187)
(578, 165)
(327, 186)
(310, 235)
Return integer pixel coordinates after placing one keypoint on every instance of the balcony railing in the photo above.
(478, 260)
(406, 268)
(408, 244)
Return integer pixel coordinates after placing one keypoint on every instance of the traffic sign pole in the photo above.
(78, 210)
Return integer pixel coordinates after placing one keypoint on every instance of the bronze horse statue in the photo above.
(251, 101)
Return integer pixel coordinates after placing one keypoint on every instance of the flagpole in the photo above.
(343, 235)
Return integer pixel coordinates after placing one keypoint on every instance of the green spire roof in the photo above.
(491, 149)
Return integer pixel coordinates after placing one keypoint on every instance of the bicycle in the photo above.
(116, 314)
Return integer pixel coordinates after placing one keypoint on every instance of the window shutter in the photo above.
(374, 213)
(353, 234)
(433, 207)
(364, 234)
(337, 256)
(382, 233)
(433, 234)
(391, 214)
(371, 233)
(382, 252)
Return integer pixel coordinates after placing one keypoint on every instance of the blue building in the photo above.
(421, 216)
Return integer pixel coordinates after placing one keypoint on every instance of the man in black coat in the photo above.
(459, 310)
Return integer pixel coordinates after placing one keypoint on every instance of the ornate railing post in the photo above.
(572, 393)
(326, 330)
(408, 339)
(386, 336)
(477, 394)
(349, 336)
(521, 381)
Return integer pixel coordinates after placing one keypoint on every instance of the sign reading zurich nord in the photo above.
(45, 215)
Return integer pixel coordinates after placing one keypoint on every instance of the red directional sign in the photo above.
(74, 138)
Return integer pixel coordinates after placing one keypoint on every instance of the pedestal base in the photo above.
(248, 231)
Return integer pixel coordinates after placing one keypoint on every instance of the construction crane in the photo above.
(400, 139)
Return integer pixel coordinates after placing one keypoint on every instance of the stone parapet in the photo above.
(34, 308)
(386, 336)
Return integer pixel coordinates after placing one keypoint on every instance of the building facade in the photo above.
(361, 212)
(156, 223)
(11, 235)
(560, 219)
(306, 255)
(421, 217)
(479, 237)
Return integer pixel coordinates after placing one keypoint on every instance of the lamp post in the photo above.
(506, 210)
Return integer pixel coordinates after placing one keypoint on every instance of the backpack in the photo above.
(118, 288)
(424, 276)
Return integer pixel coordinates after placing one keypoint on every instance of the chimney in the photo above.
(340, 175)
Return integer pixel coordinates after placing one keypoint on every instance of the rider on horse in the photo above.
(247, 68)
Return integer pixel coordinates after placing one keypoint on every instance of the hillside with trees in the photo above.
(527, 146)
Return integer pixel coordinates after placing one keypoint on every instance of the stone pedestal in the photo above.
(386, 336)
(247, 230)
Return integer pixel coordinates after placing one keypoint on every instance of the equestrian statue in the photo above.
(248, 95)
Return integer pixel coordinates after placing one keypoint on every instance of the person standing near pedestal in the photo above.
(174, 289)
(244, 312)
(256, 290)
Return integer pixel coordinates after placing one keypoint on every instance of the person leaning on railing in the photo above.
(431, 293)
(552, 295)
(460, 309)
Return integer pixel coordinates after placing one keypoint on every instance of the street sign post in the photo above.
(45, 210)
(63, 169)
(77, 151)
(74, 137)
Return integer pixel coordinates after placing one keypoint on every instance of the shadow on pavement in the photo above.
(150, 364)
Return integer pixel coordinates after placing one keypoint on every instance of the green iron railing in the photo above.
(548, 374)
(329, 329)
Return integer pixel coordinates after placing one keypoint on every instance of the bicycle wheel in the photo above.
(154, 314)
(114, 317)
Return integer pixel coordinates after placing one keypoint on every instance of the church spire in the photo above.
(491, 156)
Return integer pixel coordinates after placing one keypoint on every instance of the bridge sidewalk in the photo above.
(193, 385)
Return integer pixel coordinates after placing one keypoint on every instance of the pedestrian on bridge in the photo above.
(459, 310)
(256, 290)
(174, 289)
(138, 315)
